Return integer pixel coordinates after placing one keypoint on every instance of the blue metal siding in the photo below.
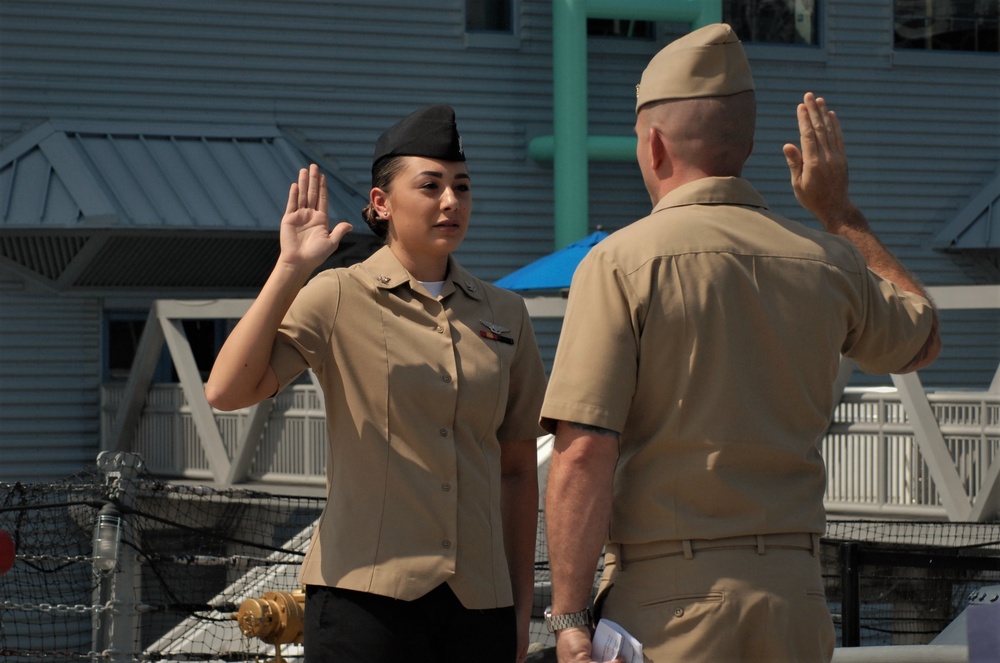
(923, 137)
(338, 77)
(328, 71)
(922, 128)
(923, 131)
(49, 379)
(152, 175)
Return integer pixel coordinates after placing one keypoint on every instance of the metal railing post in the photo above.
(850, 592)
(117, 571)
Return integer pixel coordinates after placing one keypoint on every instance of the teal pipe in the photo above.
(598, 148)
(570, 180)
(681, 11)
(711, 12)
(570, 147)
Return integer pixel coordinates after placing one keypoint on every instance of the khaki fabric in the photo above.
(418, 405)
(709, 334)
(708, 62)
(723, 606)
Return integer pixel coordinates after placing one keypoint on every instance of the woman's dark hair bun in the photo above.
(379, 225)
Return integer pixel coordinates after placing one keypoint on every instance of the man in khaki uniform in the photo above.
(694, 379)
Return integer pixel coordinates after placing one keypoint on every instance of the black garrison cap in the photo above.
(429, 132)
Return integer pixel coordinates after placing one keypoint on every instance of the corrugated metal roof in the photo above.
(147, 175)
(977, 225)
(130, 205)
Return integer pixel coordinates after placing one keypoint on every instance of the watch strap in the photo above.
(569, 620)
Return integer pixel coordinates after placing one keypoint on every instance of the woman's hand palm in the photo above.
(305, 235)
(306, 238)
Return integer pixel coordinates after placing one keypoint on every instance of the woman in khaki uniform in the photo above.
(433, 385)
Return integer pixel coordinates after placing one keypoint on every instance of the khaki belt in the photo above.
(630, 553)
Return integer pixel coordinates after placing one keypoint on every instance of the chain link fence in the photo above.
(113, 564)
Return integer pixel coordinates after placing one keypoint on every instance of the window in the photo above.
(773, 21)
(606, 27)
(121, 339)
(947, 25)
(489, 16)
(124, 329)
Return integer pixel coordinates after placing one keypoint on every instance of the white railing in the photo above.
(874, 464)
(292, 449)
(890, 452)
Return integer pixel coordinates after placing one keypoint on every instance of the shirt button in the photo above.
(443, 432)
(446, 487)
(447, 379)
(678, 612)
(439, 330)
(446, 544)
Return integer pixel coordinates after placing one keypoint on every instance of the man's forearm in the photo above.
(853, 226)
(578, 512)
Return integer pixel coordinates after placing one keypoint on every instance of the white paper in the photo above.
(611, 640)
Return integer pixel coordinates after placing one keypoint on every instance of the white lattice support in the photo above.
(546, 306)
(844, 373)
(164, 325)
(211, 309)
(194, 392)
(986, 506)
(932, 446)
(969, 297)
(249, 441)
(140, 377)
(170, 312)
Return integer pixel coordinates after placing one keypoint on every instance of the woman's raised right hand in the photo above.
(306, 238)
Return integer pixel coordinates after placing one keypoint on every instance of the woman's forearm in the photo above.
(519, 510)
(241, 375)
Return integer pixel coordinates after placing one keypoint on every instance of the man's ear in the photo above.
(657, 149)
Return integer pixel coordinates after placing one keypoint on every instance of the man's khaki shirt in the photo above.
(418, 404)
(709, 334)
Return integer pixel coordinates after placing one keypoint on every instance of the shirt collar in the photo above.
(713, 191)
(389, 273)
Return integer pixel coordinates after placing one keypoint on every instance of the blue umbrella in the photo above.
(554, 271)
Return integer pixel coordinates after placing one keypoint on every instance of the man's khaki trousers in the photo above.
(736, 600)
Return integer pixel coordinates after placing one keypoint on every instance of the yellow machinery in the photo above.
(275, 617)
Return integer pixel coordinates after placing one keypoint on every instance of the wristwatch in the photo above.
(570, 620)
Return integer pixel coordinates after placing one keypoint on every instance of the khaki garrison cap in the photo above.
(708, 62)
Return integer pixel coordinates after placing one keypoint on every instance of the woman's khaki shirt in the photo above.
(420, 395)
